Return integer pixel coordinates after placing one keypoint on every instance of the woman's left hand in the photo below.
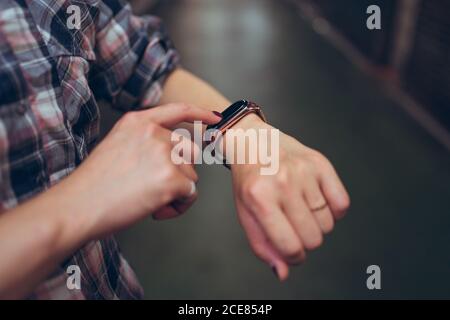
(287, 213)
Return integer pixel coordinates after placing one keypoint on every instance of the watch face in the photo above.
(229, 113)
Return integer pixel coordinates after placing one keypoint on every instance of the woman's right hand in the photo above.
(127, 177)
(130, 174)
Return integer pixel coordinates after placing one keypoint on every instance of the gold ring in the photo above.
(320, 207)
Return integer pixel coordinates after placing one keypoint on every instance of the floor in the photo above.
(397, 175)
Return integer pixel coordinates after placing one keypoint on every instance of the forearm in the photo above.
(36, 236)
(183, 86)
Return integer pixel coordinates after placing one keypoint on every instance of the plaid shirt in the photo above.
(51, 76)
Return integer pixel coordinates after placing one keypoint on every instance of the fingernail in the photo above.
(275, 271)
(193, 188)
(217, 113)
(191, 193)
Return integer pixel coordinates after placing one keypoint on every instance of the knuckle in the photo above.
(255, 190)
(168, 173)
(316, 155)
(303, 169)
(319, 159)
(282, 179)
(249, 190)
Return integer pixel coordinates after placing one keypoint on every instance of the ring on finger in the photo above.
(319, 208)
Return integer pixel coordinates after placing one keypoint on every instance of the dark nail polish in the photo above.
(275, 271)
(217, 113)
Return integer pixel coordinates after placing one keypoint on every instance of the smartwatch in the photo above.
(232, 115)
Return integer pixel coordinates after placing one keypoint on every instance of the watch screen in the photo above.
(230, 112)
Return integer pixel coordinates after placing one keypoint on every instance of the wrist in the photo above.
(249, 121)
(74, 211)
(51, 219)
(239, 127)
(242, 150)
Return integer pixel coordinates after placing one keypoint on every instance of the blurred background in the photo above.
(377, 103)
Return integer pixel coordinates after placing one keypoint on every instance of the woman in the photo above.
(62, 199)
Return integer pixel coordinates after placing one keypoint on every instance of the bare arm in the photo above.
(35, 236)
(182, 85)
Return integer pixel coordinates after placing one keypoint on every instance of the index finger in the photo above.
(172, 114)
